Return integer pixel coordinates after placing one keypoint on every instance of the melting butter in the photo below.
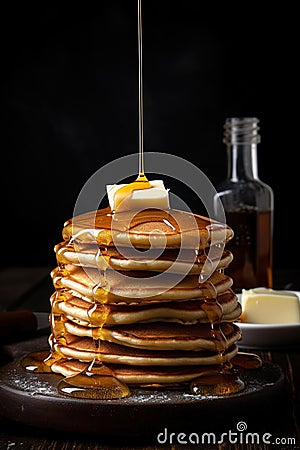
(262, 305)
(139, 195)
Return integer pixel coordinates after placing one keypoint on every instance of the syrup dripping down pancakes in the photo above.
(142, 299)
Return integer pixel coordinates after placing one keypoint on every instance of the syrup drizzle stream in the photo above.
(141, 182)
(141, 102)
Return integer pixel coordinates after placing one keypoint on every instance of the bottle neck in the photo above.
(242, 162)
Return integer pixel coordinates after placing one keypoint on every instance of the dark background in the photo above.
(70, 87)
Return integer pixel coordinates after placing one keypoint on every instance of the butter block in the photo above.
(262, 305)
(157, 196)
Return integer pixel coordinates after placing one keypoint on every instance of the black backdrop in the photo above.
(70, 105)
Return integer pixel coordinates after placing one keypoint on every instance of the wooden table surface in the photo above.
(277, 418)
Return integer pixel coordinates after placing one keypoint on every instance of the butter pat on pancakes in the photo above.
(138, 195)
(268, 306)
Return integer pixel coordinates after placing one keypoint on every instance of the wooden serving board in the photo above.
(32, 399)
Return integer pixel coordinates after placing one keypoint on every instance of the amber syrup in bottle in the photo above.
(248, 205)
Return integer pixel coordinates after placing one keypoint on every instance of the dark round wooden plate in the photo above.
(32, 399)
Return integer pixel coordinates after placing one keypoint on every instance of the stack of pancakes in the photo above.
(145, 295)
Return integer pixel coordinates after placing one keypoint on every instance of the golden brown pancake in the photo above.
(189, 311)
(140, 375)
(133, 286)
(162, 335)
(186, 261)
(84, 349)
(151, 227)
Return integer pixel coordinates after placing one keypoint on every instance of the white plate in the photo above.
(269, 335)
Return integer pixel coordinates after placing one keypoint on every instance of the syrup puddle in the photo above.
(36, 362)
(217, 385)
(94, 383)
(229, 380)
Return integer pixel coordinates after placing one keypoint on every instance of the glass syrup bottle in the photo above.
(249, 207)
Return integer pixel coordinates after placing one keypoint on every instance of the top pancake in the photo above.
(145, 229)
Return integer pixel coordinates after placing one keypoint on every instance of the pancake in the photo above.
(162, 335)
(139, 375)
(84, 349)
(189, 311)
(150, 227)
(185, 261)
(135, 286)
